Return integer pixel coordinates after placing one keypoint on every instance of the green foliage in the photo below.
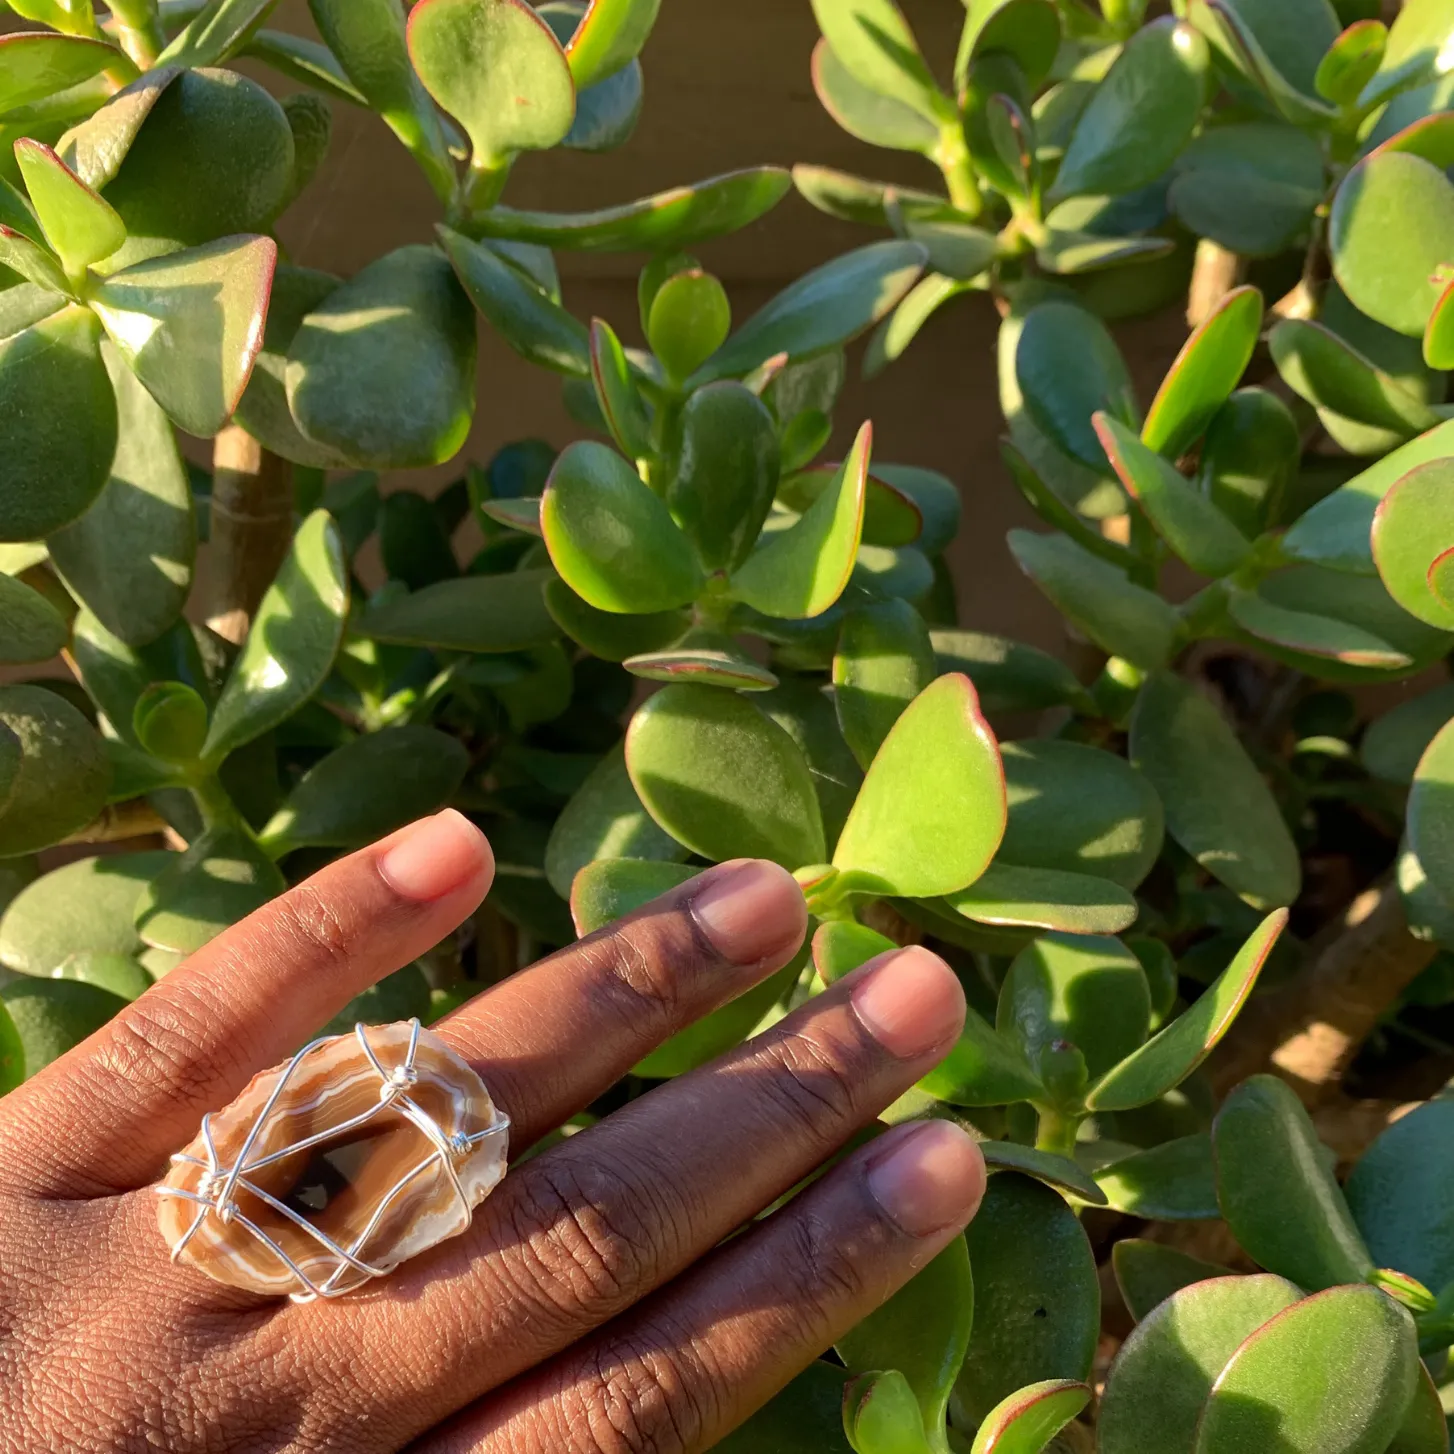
(819, 703)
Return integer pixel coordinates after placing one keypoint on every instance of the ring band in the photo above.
(333, 1168)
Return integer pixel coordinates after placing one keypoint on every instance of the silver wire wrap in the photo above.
(216, 1193)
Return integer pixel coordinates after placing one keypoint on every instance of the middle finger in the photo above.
(580, 1233)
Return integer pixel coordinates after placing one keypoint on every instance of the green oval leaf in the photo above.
(12, 1053)
(1351, 62)
(375, 784)
(1394, 742)
(1276, 1191)
(1249, 458)
(612, 35)
(477, 614)
(84, 907)
(610, 888)
(1009, 676)
(606, 634)
(37, 64)
(1218, 807)
(1037, 1303)
(1172, 1182)
(1122, 618)
(695, 661)
(190, 324)
(1349, 1399)
(57, 424)
(688, 321)
(1210, 365)
(840, 946)
(1045, 898)
(612, 540)
(874, 41)
(496, 67)
(294, 637)
(52, 1016)
(1147, 1273)
(1164, 1373)
(984, 1069)
(1430, 822)
(63, 775)
(799, 572)
(805, 1418)
(884, 660)
(81, 228)
(1413, 533)
(931, 811)
(383, 372)
(869, 115)
(170, 721)
(1026, 1421)
(1174, 1052)
(722, 779)
(616, 393)
(824, 309)
(1313, 635)
(31, 629)
(1140, 115)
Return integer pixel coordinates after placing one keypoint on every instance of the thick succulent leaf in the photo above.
(1249, 458)
(37, 64)
(115, 674)
(129, 558)
(1351, 62)
(1314, 636)
(688, 320)
(935, 496)
(1331, 374)
(1087, 990)
(1045, 898)
(931, 811)
(1333, 1374)
(1078, 809)
(1147, 1273)
(31, 629)
(1122, 618)
(1175, 1051)
(1184, 518)
(604, 820)
(983, 1069)
(890, 516)
(84, 907)
(383, 371)
(1439, 332)
(33, 263)
(57, 424)
(1399, 1192)
(1009, 676)
(606, 634)
(922, 1331)
(1218, 807)
(50, 1017)
(1430, 823)
(79, 225)
(221, 878)
(1417, 41)
(612, 35)
(805, 1418)
(1209, 366)
(62, 777)
(876, 46)
(1172, 1182)
(894, 335)
(1413, 538)
(722, 779)
(367, 39)
(1165, 1371)
(1424, 1428)
(798, 573)
(475, 614)
(1062, 396)
(290, 647)
(1027, 1420)
(1276, 1191)
(368, 788)
(1388, 236)
(1047, 1166)
(1251, 186)
(616, 392)
(1337, 531)
(825, 309)
(609, 888)
(726, 471)
(612, 539)
(12, 1053)
(215, 33)
(413, 543)
(525, 316)
(664, 223)
(153, 151)
(1140, 116)
(1276, 44)
(839, 947)
(869, 115)
(806, 714)
(497, 68)
(1037, 1302)
(883, 661)
(712, 665)
(1394, 742)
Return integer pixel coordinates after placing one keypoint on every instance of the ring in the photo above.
(331, 1169)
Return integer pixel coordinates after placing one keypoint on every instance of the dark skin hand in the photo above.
(595, 1305)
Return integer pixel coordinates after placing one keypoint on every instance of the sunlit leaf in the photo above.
(80, 226)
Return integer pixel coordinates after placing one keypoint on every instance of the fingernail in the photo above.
(749, 909)
(930, 1179)
(910, 1002)
(434, 857)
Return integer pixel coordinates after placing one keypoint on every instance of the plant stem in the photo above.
(953, 159)
(1056, 1132)
(1214, 274)
(139, 30)
(252, 526)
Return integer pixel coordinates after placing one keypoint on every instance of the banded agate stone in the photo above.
(379, 1189)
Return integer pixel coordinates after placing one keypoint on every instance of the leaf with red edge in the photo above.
(79, 224)
(1026, 1421)
(35, 64)
(1413, 535)
(612, 35)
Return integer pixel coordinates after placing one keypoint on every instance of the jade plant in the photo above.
(1195, 888)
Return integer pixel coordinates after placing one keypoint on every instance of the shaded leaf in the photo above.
(31, 629)
(62, 777)
(607, 889)
(38, 63)
(1172, 1182)
(1250, 456)
(1147, 1273)
(1394, 742)
(839, 947)
(877, 47)
(616, 392)
(869, 115)
(216, 32)
(477, 613)
(805, 1418)
(52, 1016)
(883, 661)
(1009, 676)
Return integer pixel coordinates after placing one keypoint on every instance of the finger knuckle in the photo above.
(817, 1083)
(311, 920)
(640, 1399)
(154, 1044)
(635, 975)
(820, 1272)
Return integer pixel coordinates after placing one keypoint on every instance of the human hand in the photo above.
(591, 1307)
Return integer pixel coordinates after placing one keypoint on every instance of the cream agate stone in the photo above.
(361, 1152)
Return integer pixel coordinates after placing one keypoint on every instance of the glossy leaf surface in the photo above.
(477, 613)
(1026, 1421)
(1217, 805)
(1171, 1182)
(1413, 535)
(884, 660)
(50, 1017)
(62, 777)
(1045, 898)
(722, 779)
(80, 226)
(38, 63)
(1175, 1051)
(875, 44)
(295, 635)
(931, 811)
(1276, 1191)
(383, 371)
(613, 33)
(985, 1068)
(862, 112)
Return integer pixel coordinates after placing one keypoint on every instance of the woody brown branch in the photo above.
(251, 527)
